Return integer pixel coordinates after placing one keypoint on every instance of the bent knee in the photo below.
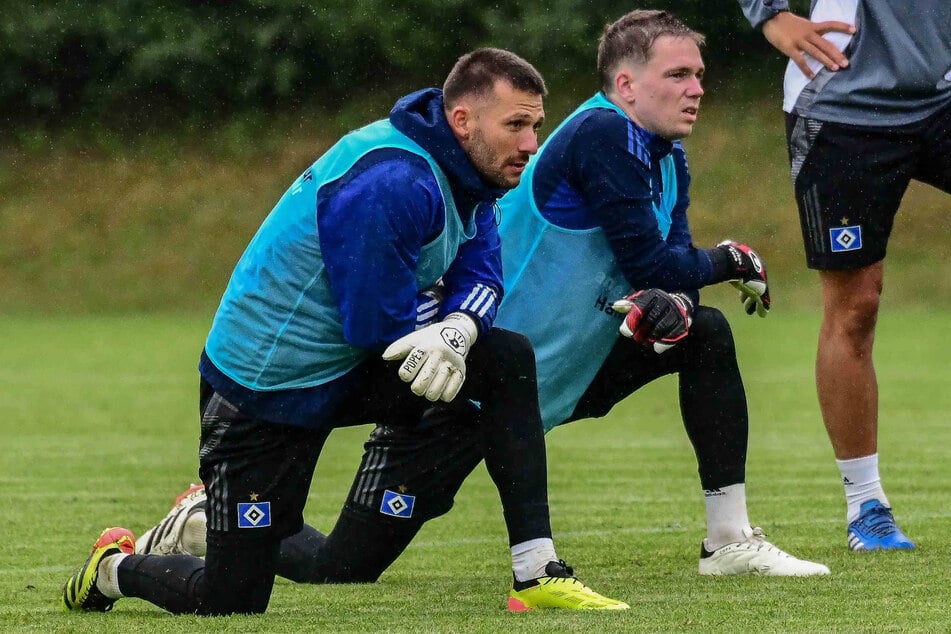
(852, 300)
(508, 351)
(712, 328)
(510, 342)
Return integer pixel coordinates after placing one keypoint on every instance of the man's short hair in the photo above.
(632, 37)
(475, 74)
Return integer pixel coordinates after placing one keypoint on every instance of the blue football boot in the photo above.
(875, 529)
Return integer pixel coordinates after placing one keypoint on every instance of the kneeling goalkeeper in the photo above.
(316, 331)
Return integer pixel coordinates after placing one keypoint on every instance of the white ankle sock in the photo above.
(108, 580)
(862, 483)
(726, 515)
(530, 558)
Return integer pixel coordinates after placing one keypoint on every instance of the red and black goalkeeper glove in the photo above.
(655, 317)
(746, 272)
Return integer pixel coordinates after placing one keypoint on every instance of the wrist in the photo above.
(465, 323)
(722, 265)
(685, 301)
(770, 9)
(770, 17)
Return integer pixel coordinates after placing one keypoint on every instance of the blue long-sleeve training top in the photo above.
(603, 170)
(337, 270)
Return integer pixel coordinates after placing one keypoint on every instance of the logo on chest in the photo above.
(609, 291)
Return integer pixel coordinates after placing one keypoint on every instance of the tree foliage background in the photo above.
(157, 61)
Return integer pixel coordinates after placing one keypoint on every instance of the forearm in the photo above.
(473, 283)
(646, 261)
(759, 11)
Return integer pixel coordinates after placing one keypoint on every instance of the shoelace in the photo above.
(569, 573)
(568, 569)
(878, 522)
(758, 537)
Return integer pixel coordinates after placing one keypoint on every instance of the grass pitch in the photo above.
(99, 421)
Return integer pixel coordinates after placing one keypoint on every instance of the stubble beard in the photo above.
(486, 162)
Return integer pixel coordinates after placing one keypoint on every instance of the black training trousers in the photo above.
(257, 476)
(365, 541)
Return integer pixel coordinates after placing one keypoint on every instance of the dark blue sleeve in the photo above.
(617, 187)
(372, 224)
(474, 279)
(679, 235)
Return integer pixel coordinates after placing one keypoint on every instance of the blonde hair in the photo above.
(631, 39)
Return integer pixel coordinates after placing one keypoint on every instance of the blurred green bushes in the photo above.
(152, 63)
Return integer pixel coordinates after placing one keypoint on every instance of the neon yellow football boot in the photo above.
(80, 591)
(558, 589)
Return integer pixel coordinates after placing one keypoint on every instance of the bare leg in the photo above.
(845, 375)
(848, 397)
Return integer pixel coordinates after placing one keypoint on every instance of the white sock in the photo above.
(862, 483)
(108, 580)
(726, 515)
(530, 558)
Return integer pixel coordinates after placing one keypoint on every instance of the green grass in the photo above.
(99, 423)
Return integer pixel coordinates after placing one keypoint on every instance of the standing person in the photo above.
(316, 330)
(868, 110)
(601, 213)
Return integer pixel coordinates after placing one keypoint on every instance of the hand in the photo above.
(655, 317)
(793, 35)
(435, 356)
(750, 272)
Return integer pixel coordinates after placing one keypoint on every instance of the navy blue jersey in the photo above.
(603, 170)
(337, 270)
(601, 211)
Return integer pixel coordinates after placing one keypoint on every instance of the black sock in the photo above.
(359, 548)
(171, 582)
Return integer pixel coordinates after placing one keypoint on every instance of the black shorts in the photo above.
(257, 474)
(849, 181)
(411, 475)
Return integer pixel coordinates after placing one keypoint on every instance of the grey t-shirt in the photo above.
(899, 61)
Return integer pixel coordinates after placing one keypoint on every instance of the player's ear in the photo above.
(624, 81)
(461, 120)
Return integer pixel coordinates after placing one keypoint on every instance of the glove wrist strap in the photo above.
(722, 263)
(465, 323)
(686, 301)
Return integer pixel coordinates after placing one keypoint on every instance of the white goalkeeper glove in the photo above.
(434, 358)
